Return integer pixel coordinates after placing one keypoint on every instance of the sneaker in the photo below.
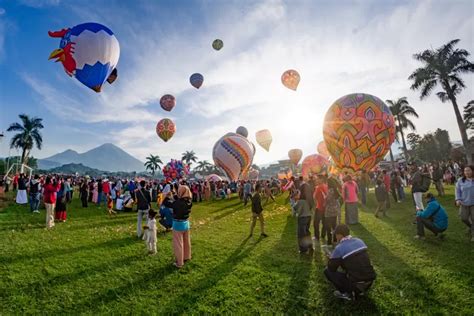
(344, 296)
(263, 235)
(419, 237)
(36, 211)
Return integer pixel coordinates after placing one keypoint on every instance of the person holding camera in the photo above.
(433, 217)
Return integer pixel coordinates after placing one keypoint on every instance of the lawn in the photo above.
(93, 264)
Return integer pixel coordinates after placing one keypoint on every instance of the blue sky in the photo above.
(339, 47)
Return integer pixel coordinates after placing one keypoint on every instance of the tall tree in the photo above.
(443, 143)
(443, 66)
(28, 135)
(469, 116)
(153, 163)
(402, 111)
(202, 166)
(189, 157)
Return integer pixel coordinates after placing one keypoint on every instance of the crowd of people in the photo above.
(316, 202)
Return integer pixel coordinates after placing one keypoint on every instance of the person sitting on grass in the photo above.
(302, 210)
(257, 212)
(352, 257)
(433, 217)
(381, 196)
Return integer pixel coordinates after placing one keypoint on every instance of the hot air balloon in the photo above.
(196, 80)
(264, 138)
(242, 131)
(165, 129)
(167, 102)
(323, 150)
(290, 79)
(295, 155)
(213, 178)
(314, 164)
(217, 44)
(253, 174)
(358, 131)
(233, 153)
(89, 52)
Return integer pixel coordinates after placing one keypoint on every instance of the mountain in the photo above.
(72, 168)
(107, 157)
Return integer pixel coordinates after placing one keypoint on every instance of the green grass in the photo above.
(95, 265)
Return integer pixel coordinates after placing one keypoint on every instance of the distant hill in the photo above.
(73, 168)
(107, 157)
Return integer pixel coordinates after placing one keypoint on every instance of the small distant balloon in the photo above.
(323, 150)
(165, 129)
(217, 44)
(295, 155)
(242, 131)
(196, 80)
(167, 102)
(290, 79)
(264, 139)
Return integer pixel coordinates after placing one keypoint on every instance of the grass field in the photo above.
(95, 265)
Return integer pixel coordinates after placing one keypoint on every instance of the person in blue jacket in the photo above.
(433, 217)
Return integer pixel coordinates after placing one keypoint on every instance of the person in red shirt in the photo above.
(320, 194)
(386, 182)
(49, 196)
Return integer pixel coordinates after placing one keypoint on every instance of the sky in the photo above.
(338, 47)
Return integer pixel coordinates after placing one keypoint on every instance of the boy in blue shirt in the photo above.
(433, 217)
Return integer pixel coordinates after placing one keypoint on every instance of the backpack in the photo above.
(425, 183)
(34, 188)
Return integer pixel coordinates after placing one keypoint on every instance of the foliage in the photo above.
(469, 116)
(203, 166)
(443, 66)
(28, 135)
(402, 111)
(189, 157)
(93, 264)
(153, 163)
(431, 147)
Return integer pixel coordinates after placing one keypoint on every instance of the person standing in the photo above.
(21, 196)
(143, 199)
(387, 182)
(381, 196)
(181, 206)
(416, 190)
(49, 196)
(350, 191)
(99, 192)
(320, 194)
(465, 199)
(332, 210)
(35, 188)
(438, 179)
(84, 193)
(257, 212)
(363, 184)
(302, 210)
(247, 191)
(61, 201)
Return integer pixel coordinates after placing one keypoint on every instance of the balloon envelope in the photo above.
(314, 164)
(233, 153)
(290, 79)
(217, 44)
(168, 102)
(253, 174)
(323, 150)
(89, 52)
(264, 138)
(213, 177)
(358, 131)
(196, 80)
(242, 131)
(295, 155)
(165, 129)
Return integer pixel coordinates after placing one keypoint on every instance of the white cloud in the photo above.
(337, 50)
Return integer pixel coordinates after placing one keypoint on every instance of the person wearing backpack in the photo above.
(35, 189)
(143, 205)
(434, 218)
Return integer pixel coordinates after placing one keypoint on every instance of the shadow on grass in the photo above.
(227, 207)
(229, 212)
(189, 298)
(114, 243)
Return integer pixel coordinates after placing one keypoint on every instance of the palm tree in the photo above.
(189, 157)
(401, 111)
(28, 135)
(153, 163)
(202, 166)
(444, 66)
(469, 115)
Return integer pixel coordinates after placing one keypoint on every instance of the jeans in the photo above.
(328, 228)
(467, 216)
(401, 193)
(140, 215)
(100, 197)
(421, 223)
(339, 280)
(34, 201)
(304, 235)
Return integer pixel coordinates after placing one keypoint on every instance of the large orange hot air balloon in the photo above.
(264, 138)
(290, 79)
(323, 150)
(314, 164)
(295, 155)
(358, 131)
(165, 129)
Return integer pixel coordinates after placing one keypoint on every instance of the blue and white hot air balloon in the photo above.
(89, 52)
(196, 80)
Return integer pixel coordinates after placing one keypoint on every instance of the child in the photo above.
(150, 232)
(110, 205)
(332, 210)
(381, 196)
(303, 212)
(257, 212)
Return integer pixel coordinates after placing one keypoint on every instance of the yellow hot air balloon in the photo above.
(290, 79)
(295, 155)
(264, 138)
